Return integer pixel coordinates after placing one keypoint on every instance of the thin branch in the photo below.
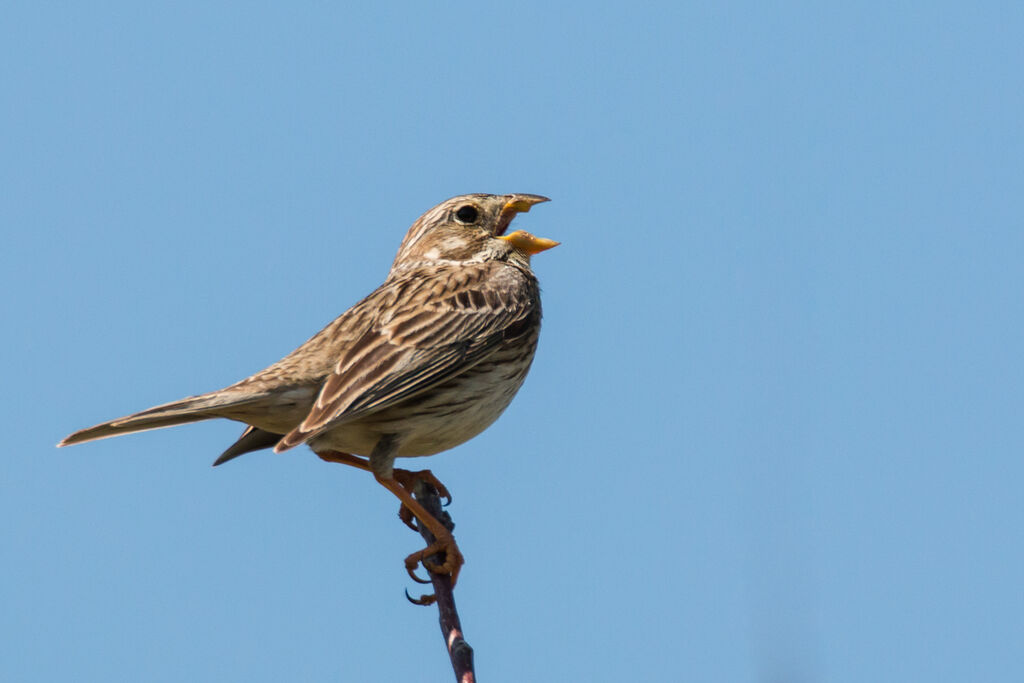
(459, 650)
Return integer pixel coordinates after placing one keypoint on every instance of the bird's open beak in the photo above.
(524, 241)
(517, 203)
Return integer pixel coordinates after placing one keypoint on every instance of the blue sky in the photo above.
(773, 431)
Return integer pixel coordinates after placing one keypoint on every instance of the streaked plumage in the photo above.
(427, 361)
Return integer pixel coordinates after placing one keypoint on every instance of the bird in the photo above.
(424, 363)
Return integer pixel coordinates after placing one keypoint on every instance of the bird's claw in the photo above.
(423, 600)
(453, 560)
(444, 544)
(411, 571)
(442, 490)
(405, 514)
(408, 480)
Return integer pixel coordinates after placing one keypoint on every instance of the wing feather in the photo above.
(427, 336)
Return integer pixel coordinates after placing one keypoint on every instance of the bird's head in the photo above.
(470, 228)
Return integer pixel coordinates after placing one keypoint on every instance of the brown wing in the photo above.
(435, 329)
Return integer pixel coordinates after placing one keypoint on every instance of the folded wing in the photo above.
(428, 337)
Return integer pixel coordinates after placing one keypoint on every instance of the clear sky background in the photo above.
(773, 431)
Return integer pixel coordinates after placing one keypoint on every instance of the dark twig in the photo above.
(459, 650)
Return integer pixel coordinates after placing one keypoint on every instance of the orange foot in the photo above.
(408, 481)
(401, 483)
(406, 478)
(413, 514)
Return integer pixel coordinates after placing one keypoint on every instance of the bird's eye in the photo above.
(467, 214)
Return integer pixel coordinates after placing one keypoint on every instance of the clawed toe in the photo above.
(409, 519)
(423, 600)
(410, 569)
(453, 560)
(442, 490)
(408, 481)
(440, 557)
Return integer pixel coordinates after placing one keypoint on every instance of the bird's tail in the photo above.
(192, 409)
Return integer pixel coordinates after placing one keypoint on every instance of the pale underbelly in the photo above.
(436, 421)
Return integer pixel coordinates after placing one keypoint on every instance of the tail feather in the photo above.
(192, 409)
(252, 439)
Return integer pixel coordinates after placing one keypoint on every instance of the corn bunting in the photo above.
(427, 361)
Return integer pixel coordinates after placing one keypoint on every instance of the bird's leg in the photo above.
(404, 477)
(345, 459)
(401, 483)
(364, 464)
(443, 539)
(408, 478)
